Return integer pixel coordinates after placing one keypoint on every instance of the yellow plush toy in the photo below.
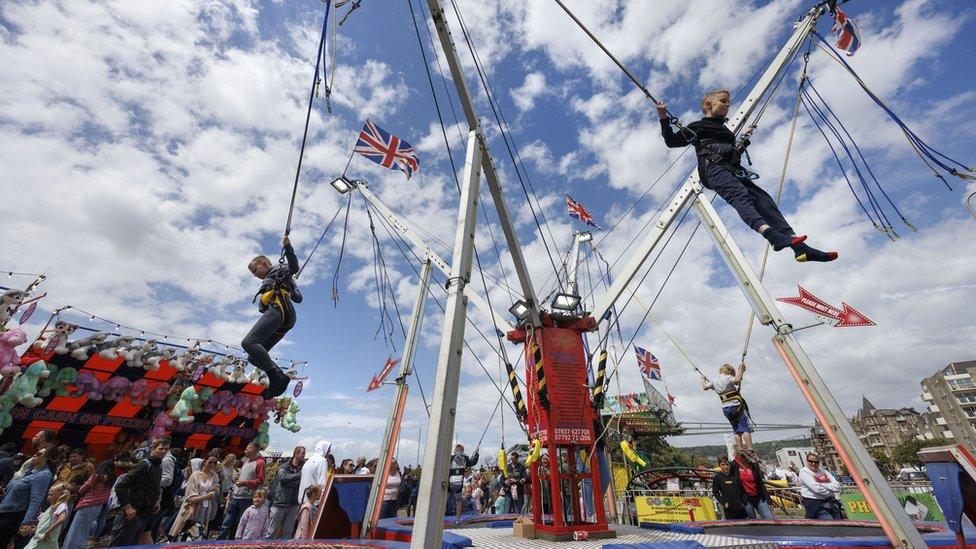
(630, 454)
(535, 453)
(502, 462)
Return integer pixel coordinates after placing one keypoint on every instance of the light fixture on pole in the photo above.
(520, 309)
(342, 184)
(566, 302)
(584, 236)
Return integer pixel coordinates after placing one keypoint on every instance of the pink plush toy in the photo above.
(139, 392)
(157, 395)
(161, 426)
(203, 396)
(224, 401)
(87, 385)
(9, 341)
(115, 388)
(267, 405)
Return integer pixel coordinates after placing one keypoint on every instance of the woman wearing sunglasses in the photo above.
(819, 489)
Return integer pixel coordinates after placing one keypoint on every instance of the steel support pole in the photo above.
(392, 433)
(429, 525)
(572, 282)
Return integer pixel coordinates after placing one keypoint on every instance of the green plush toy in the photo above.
(203, 396)
(263, 439)
(23, 390)
(290, 421)
(57, 381)
(183, 409)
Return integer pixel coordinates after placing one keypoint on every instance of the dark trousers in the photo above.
(232, 515)
(389, 509)
(751, 202)
(127, 531)
(266, 333)
(9, 525)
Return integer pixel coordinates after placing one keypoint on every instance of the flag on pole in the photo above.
(647, 363)
(848, 35)
(576, 210)
(386, 149)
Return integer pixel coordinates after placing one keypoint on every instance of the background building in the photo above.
(950, 397)
(825, 449)
(882, 430)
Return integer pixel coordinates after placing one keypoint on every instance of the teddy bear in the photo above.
(87, 385)
(219, 369)
(84, 348)
(9, 341)
(55, 339)
(139, 392)
(153, 358)
(23, 390)
(157, 395)
(265, 407)
(281, 405)
(183, 362)
(203, 397)
(9, 301)
(115, 388)
(161, 425)
(238, 375)
(292, 372)
(57, 381)
(263, 439)
(258, 377)
(290, 421)
(223, 401)
(135, 356)
(113, 349)
(183, 409)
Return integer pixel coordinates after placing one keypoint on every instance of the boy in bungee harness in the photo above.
(455, 480)
(720, 170)
(278, 290)
(727, 384)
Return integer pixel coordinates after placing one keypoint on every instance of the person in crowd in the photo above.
(42, 440)
(49, 524)
(501, 503)
(307, 512)
(316, 468)
(200, 499)
(727, 384)
(753, 486)
(516, 484)
(137, 493)
(819, 490)
(330, 464)
(75, 464)
(228, 474)
(413, 493)
(284, 505)
(455, 482)
(254, 520)
(7, 453)
(92, 498)
(728, 491)
(361, 468)
(347, 467)
(249, 479)
(477, 494)
(391, 494)
(22, 501)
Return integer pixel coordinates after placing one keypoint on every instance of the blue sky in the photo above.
(149, 153)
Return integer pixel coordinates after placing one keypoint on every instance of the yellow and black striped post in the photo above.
(601, 374)
(540, 375)
(516, 393)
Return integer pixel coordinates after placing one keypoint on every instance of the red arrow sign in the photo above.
(378, 379)
(845, 317)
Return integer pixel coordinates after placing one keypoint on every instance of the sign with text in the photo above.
(569, 419)
(919, 506)
(674, 508)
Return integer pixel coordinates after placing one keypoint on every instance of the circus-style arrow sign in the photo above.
(378, 379)
(843, 317)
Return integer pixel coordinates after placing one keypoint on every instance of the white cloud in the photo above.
(531, 89)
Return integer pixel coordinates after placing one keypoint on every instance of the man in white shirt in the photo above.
(819, 490)
(316, 468)
(727, 385)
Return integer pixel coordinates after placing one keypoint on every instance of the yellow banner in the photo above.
(674, 508)
(620, 478)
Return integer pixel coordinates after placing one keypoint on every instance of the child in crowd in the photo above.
(727, 385)
(278, 290)
(719, 170)
(308, 512)
(51, 520)
(501, 503)
(254, 521)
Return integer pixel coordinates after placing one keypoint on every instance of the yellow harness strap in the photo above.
(276, 298)
(731, 396)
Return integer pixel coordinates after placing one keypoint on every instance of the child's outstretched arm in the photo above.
(293, 265)
(671, 138)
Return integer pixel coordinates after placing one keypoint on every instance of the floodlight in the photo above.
(566, 302)
(342, 184)
(584, 236)
(520, 309)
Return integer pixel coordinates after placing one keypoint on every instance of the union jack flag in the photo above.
(848, 36)
(647, 363)
(577, 211)
(386, 149)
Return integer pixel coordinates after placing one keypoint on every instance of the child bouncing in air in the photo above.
(278, 290)
(719, 170)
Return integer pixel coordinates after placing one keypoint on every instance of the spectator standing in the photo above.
(819, 490)
(284, 505)
(455, 482)
(75, 465)
(93, 496)
(137, 493)
(22, 501)
(199, 499)
(43, 440)
(254, 520)
(50, 523)
(516, 484)
(361, 467)
(727, 489)
(392, 492)
(316, 468)
(753, 486)
(7, 452)
(249, 479)
(308, 512)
